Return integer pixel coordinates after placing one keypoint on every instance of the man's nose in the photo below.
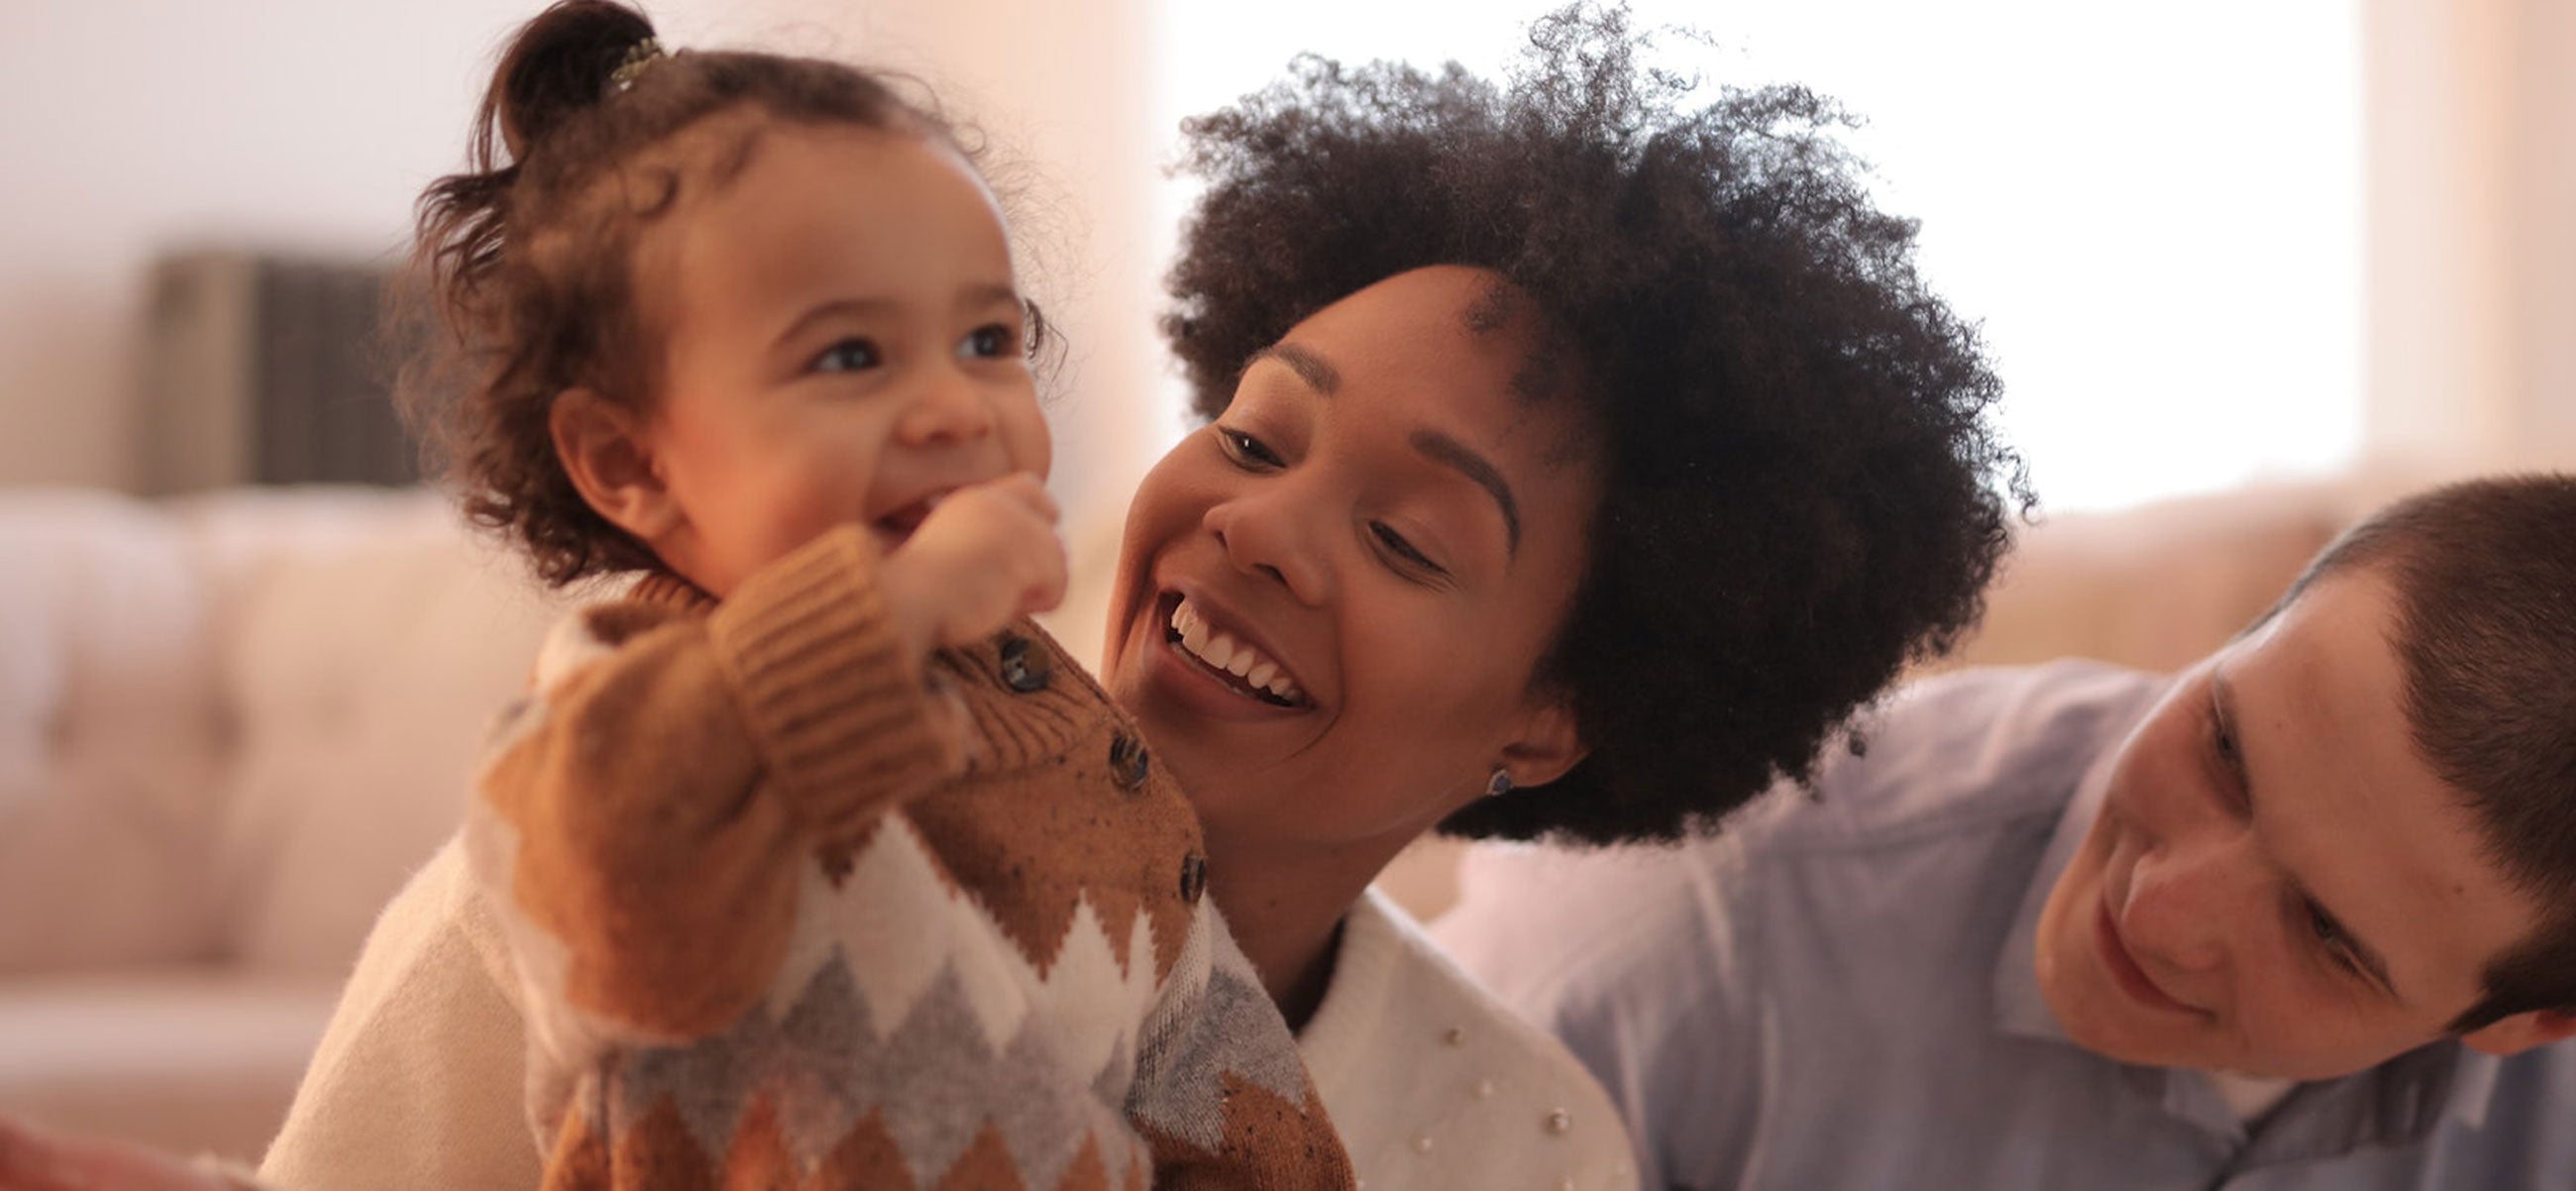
(2187, 897)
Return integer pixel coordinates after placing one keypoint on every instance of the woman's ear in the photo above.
(1549, 743)
(606, 451)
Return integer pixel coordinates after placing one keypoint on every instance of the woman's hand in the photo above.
(33, 1159)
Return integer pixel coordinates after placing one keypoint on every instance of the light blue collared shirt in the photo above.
(1838, 992)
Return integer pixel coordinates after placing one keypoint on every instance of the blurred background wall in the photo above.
(2209, 241)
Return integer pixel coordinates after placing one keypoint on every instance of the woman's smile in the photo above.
(1231, 658)
(1211, 663)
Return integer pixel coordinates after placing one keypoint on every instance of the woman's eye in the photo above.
(1246, 450)
(848, 355)
(993, 341)
(1398, 546)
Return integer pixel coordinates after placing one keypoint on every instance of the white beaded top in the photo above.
(1436, 1086)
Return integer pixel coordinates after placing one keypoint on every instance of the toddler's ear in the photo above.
(606, 450)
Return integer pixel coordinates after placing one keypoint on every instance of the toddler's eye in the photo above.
(992, 341)
(848, 355)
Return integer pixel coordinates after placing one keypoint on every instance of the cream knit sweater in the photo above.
(417, 1084)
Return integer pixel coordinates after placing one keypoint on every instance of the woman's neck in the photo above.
(1285, 907)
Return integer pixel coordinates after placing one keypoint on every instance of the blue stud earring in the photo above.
(1500, 784)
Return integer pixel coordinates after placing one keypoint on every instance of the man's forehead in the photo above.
(2349, 806)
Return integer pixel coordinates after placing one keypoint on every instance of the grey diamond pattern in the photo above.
(935, 1080)
(1180, 1089)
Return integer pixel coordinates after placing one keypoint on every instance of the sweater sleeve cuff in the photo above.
(837, 704)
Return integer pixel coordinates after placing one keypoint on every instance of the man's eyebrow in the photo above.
(1441, 448)
(2222, 709)
(1318, 372)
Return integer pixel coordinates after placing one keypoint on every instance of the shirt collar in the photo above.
(2473, 1081)
(2019, 1009)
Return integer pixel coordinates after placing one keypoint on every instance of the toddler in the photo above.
(821, 866)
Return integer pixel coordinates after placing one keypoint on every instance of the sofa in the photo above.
(231, 724)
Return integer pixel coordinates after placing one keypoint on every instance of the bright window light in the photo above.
(2154, 211)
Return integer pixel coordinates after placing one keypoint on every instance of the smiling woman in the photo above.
(1356, 523)
(1579, 454)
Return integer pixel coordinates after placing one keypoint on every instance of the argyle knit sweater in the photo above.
(791, 908)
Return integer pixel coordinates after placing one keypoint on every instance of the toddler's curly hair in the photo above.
(522, 279)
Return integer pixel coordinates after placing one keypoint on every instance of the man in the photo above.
(2303, 916)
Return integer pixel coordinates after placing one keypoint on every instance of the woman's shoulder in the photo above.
(416, 1085)
(1434, 1083)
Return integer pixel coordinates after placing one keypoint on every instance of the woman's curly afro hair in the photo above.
(1802, 491)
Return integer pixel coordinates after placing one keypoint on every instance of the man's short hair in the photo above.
(2485, 576)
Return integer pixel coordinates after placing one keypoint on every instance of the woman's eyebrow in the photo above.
(1320, 375)
(1440, 448)
(1318, 372)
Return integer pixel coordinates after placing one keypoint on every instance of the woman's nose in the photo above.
(946, 406)
(1264, 534)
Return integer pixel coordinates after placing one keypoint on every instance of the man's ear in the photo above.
(2521, 1032)
(1549, 743)
(605, 450)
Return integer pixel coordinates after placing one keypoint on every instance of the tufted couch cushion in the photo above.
(108, 737)
(362, 643)
(229, 727)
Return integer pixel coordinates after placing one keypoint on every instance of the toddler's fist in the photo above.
(987, 556)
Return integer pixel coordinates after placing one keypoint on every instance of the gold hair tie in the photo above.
(644, 54)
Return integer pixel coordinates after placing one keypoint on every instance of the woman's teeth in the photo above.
(1223, 652)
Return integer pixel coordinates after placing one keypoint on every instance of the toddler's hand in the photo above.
(988, 555)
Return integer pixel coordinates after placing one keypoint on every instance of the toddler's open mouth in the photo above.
(896, 527)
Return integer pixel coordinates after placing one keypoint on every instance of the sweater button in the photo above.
(1193, 877)
(1127, 761)
(1020, 671)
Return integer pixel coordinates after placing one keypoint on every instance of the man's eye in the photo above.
(848, 355)
(1246, 450)
(992, 341)
(2330, 936)
(2226, 763)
